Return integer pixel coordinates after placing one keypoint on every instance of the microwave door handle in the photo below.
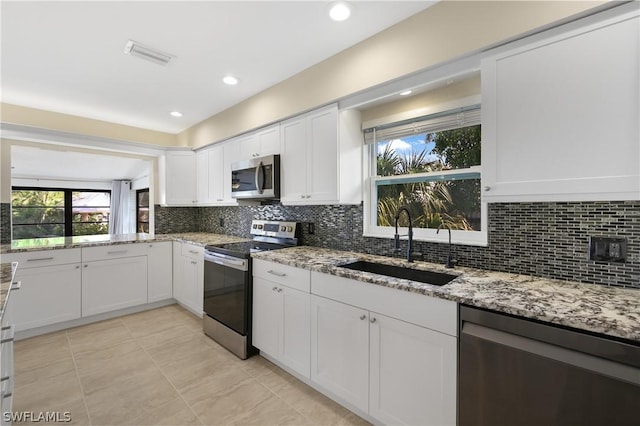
(260, 178)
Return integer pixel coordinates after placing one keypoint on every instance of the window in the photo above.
(142, 210)
(46, 212)
(431, 165)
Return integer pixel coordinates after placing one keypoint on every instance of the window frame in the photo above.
(370, 204)
(68, 206)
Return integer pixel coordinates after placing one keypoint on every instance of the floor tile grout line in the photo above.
(75, 368)
(170, 382)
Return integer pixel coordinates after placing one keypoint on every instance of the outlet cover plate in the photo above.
(608, 249)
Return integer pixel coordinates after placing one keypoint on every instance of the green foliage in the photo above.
(432, 204)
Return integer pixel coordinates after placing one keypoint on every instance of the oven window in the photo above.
(225, 296)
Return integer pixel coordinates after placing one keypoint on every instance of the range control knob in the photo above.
(289, 228)
(259, 226)
(283, 228)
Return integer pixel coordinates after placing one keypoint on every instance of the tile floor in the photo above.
(158, 368)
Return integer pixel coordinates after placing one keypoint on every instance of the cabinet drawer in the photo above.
(35, 259)
(116, 251)
(430, 312)
(192, 251)
(297, 278)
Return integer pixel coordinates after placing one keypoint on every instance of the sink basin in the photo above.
(427, 277)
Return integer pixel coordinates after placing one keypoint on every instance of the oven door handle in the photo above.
(224, 260)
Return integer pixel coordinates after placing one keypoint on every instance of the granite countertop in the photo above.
(611, 311)
(7, 277)
(54, 243)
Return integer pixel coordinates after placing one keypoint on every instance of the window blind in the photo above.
(446, 120)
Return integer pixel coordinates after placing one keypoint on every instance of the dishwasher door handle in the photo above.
(579, 359)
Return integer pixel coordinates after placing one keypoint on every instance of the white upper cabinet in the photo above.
(177, 178)
(260, 143)
(560, 115)
(321, 158)
(214, 174)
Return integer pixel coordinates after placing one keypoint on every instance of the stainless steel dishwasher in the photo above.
(514, 371)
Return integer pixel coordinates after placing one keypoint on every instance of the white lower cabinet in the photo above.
(411, 370)
(113, 284)
(188, 276)
(281, 314)
(399, 370)
(340, 350)
(159, 271)
(48, 295)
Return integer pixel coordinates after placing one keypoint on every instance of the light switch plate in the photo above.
(608, 249)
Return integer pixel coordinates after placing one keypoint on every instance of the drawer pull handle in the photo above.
(16, 286)
(6, 395)
(193, 251)
(117, 252)
(5, 378)
(10, 329)
(40, 259)
(193, 262)
(277, 274)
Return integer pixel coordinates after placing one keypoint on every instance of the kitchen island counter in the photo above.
(612, 311)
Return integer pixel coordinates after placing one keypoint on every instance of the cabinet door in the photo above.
(295, 339)
(293, 164)
(269, 140)
(553, 129)
(413, 374)
(267, 317)
(202, 177)
(216, 174)
(159, 271)
(178, 275)
(249, 146)
(340, 350)
(113, 284)
(180, 178)
(322, 155)
(48, 295)
(192, 285)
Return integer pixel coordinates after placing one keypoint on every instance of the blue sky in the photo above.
(405, 145)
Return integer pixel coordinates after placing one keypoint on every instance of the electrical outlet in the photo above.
(312, 228)
(221, 221)
(608, 249)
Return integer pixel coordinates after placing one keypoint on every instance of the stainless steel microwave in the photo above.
(257, 179)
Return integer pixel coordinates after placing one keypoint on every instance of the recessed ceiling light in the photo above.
(405, 93)
(340, 11)
(230, 80)
(176, 113)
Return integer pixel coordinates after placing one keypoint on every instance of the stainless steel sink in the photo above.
(427, 277)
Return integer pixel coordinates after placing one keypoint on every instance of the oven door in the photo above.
(226, 290)
(258, 178)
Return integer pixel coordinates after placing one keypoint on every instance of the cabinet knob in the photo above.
(363, 317)
(85, 265)
(274, 289)
(486, 188)
(373, 320)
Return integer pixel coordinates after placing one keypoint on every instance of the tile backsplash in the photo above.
(5, 223)
(543, 239)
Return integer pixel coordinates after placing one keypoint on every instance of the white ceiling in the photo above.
(68, 56)
(58, 163)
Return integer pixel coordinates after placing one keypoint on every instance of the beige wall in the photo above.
(423, 101)
(441, 33)
(85, 126)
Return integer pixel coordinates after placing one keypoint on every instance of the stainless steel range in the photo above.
(228, 283)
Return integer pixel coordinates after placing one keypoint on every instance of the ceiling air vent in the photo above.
(141, 51)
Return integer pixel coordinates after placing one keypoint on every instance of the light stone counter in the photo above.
(54, 243)
(611, 311)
